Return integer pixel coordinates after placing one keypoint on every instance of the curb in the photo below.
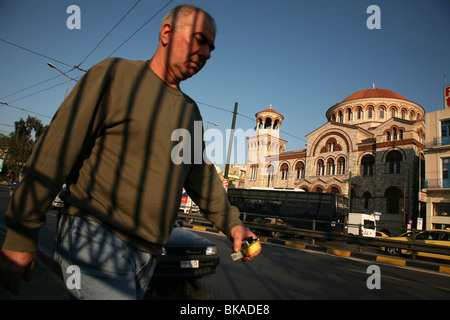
(359, 255)
(344, 253)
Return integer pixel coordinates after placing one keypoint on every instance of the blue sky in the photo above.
(300, 56)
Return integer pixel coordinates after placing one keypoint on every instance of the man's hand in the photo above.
(15, 266)
(239, 234)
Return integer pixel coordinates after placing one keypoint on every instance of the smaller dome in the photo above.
(374, 93)
(270, 110)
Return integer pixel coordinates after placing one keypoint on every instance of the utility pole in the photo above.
(230, 144)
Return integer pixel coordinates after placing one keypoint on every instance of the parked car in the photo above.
(380, 234)
(187, 255)
(436, 237)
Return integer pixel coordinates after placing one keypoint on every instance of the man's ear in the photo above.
(166, 33)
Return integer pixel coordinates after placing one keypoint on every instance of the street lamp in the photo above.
(207, 124)
(51, 65)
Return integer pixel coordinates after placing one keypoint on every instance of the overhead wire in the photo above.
(22, 109)
(37, 53)
(109, 32)
(245, 116)
(77, 67)
(134, 33)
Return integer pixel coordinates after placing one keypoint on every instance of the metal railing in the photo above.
(313, 234)
(436, 183)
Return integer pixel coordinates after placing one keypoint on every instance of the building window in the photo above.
(441, 209)
(349, 115)
(331, 146)
(270, 170)
(330, 167)
(381, 113)
(445, 132)
(254, 172)
(393, 160)
(367, 165)
(366, 197)
(320, 168)
(341, 165)
(359, 113)
(393, 196)
(300, 169)
(370, 113)
(445, 175)
(393, 111)
(284, 171)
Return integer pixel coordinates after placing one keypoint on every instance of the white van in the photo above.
(361, 224)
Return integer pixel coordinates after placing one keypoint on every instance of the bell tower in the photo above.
(264, 147)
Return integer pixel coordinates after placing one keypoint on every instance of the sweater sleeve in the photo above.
(61, 147)
(205, 188)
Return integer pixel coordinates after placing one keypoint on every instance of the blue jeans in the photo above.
(96, 264)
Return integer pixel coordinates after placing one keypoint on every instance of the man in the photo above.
(111, 142)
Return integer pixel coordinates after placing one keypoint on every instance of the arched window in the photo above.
(330, 167)
(359, 113)
(393, 112)
(349, 114)
(253, 172)
(300, 170)
(366, 196)
(320, 168)
(341, 165)
(393, 159)
(370, 113)
(367, 165)
(393, 195)
(284, 171)
(341, 116)
(382, 113)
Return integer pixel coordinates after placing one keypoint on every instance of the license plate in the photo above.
(189, 264)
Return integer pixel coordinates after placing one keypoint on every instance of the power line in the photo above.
(110, 32)
(141, 27)
(77, 67)
(22, 109)
(37, 53)
(246, 117)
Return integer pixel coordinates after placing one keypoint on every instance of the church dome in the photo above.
(374, 93)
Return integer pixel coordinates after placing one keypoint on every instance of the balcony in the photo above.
(438, 141)
(436, 183)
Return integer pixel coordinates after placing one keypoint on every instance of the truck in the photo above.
(187, 205)
(361, 224)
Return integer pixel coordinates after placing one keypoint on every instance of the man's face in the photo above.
(190, 47)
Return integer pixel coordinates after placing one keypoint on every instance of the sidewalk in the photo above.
(46, 282)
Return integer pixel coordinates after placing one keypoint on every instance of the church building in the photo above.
(368, 150)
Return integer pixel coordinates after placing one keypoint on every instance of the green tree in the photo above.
(21, 143)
